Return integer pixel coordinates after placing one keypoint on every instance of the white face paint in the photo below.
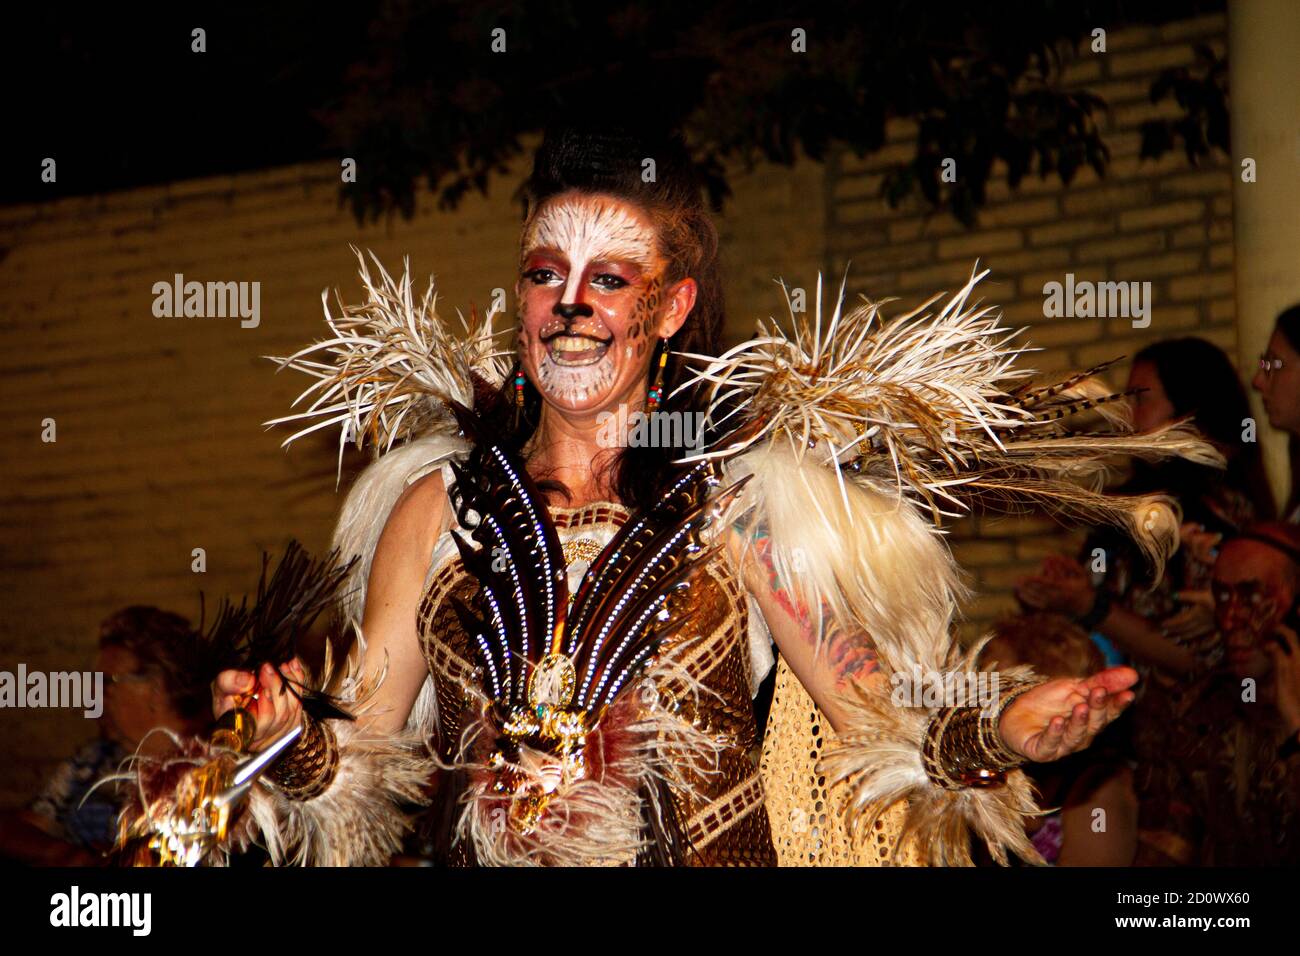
(573, 383)
(590, 300)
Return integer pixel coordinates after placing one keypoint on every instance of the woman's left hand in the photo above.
(1063, 716)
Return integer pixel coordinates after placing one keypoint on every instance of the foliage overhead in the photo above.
(430, 102)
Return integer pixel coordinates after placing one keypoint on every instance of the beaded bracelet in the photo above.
(963, 748)
(310, 765)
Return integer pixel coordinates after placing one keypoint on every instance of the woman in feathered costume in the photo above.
(575, 618)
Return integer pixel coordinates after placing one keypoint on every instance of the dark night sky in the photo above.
(115, 95)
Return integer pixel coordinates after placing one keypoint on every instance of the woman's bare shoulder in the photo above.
(420, 511)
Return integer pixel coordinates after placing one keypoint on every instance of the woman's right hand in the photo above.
(274, 707)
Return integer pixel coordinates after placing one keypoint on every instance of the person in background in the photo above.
(1278, 383)
(1098, 779)
(1229, 791)
(1165, 628)
(145, 655)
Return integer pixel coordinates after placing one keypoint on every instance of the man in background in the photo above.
(1230, 792)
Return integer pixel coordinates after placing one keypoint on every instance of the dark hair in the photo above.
(1199, 380)
(609, 159)
(166, 645)
(1288, 323)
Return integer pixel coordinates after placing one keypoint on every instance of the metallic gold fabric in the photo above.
(807, 825)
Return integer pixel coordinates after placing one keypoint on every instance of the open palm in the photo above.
(1063, 716)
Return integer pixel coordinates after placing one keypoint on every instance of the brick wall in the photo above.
(159, 444)
(1163, 221)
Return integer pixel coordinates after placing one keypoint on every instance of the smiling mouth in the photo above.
(576, 350)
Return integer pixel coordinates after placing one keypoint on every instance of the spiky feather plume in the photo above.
(861, 434)
(286, 605)
(392, 364)
(931, 404)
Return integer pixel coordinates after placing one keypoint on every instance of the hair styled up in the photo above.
(609, 160)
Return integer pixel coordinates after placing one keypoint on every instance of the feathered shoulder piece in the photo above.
(860, 434)
(930, 408)
(392, 367)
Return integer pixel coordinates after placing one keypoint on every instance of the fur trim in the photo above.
(878, 758)
(859, 555)
(358, 820)
(361, 818)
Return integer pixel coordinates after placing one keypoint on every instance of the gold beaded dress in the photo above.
(721, 812)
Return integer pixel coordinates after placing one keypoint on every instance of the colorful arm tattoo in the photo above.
(849, 653)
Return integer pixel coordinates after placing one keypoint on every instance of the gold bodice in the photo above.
(722, 813)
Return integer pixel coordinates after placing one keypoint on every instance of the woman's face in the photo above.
(593, 302)
(1151, 408)
(1280, 387)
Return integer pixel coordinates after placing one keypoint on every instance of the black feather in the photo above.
(287, 604)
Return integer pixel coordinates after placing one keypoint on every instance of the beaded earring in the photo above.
(518, 375)
(656, 394)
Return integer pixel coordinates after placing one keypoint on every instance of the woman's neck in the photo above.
(576, 452)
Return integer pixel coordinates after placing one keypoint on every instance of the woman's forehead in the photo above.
(588, 228)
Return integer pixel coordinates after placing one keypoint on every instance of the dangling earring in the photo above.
(656, 393)
(518, 376)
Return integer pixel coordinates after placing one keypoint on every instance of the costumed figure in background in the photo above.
(576, 617)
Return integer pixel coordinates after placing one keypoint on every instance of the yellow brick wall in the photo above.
(1163, 221)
